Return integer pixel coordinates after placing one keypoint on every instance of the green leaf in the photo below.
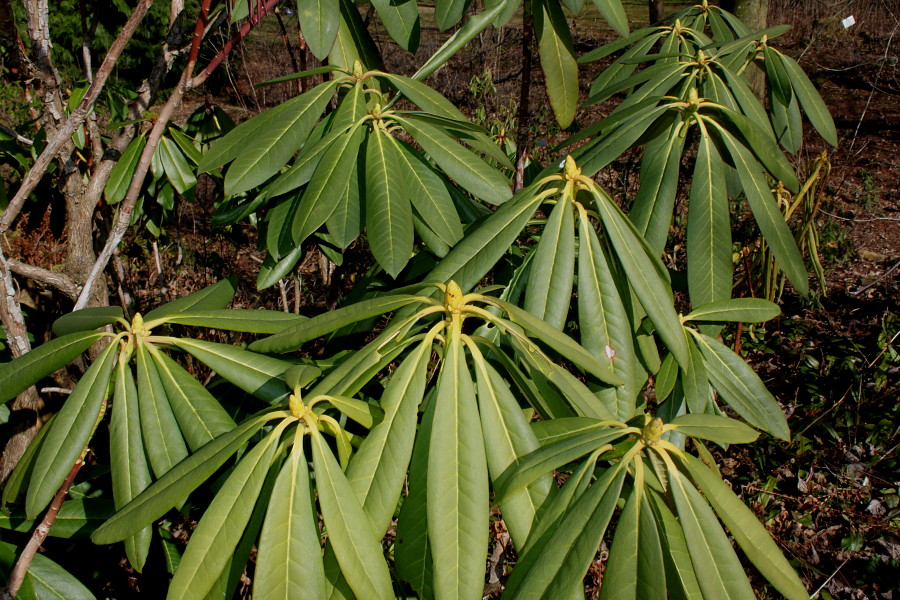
(18, 375)
(787, 124)
(458, 503)
(200, 416)
(644, 273)
(507, 437)
(606, 330)
(768, 216)
(777, 77)
(621, 577)
(680, 578)
(181, 480)
(70, 432)
(557, 60)
(809, 98)
(614, 14)
(401, 19)
(695, 382)
(272, 142)
(602, 151)
(655, 200)
(665, 378)
(215, 296)
(742, 389)
(186, 145)
(238, 319)
(301, 75)
(472, 27)
(128, 461)
(271, 272)
(329, 183)
(46, 580)
(709, 228)
(307, 160)
(319, 20)
(350, 532)
(714, 428)
(411, 548)
(548, 297)
(213, 542)
(560, 342)
(254, 373)
(353, 43)
(430, 197)
(162, 437)
(378, 469)
(294, 337)
(120, 176)
(469, 171)
(565, 552)
(345, 223)
(746, 310)
(448, 12)
(388, 213)
(548, 457)
(86, 319)
(718, 569)
(289, 561)
(749, 533)
(76, 519)
(179, 173)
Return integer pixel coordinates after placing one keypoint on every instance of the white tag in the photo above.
(562, 163)
(848, 22)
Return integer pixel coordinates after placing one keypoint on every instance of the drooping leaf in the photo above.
(548, 296)
(388, 212)
(430, 197)
(809, 98)
(178, 171)
(215, 296)
(401, 19)
(121, 174)
(86, 319)
(319, 20)
(614, 14)
(70, 432)
(18, 375)
(45, 579)
(557, 60)
(162, 437)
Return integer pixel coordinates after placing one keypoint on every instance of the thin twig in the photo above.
(865, 287)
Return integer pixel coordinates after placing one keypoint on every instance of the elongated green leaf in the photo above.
(217, 295)
(709, 228)
(200, 416)
(458, 503)
(769, 218)
(44, 580)
(271, 272)
(679, 568)
(294, 337)
(606, 331)
(448, 12)
(742, 389)
(695, 382)
(809, 98)
(353, 42)
(560, 342)
(665, 378)
(472, 27)
(777, 77)
(531, 467)
(718, 569)
(507, 437)
(128, 460)
(121, 174)
(178, 171)
(329, 183)
(308, 159)
(549, 431)
(388, 212)
(557, 60)
(643, 272)
(76, 519)
(345, 223)
(214, 540)
(715, 428)
(181, 480)
(18, 375)
(469, 171)
(655, 201)
(758, 138)
(621, 579)
(749, 533)
(598, 154)
(556, 392)
(614, 14)
(273, 141)
(319, 21)
(401, 19)
(300, 75)
(378, 469)
(787, 122)
(747, 310)
(430, 197)
(159, 429)
(71, 430)
(254, 373)
(548, 297)
(86, 319)
(565, 552)
(349, 530)
(186, 144)
(239, 319)
(289, 563)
